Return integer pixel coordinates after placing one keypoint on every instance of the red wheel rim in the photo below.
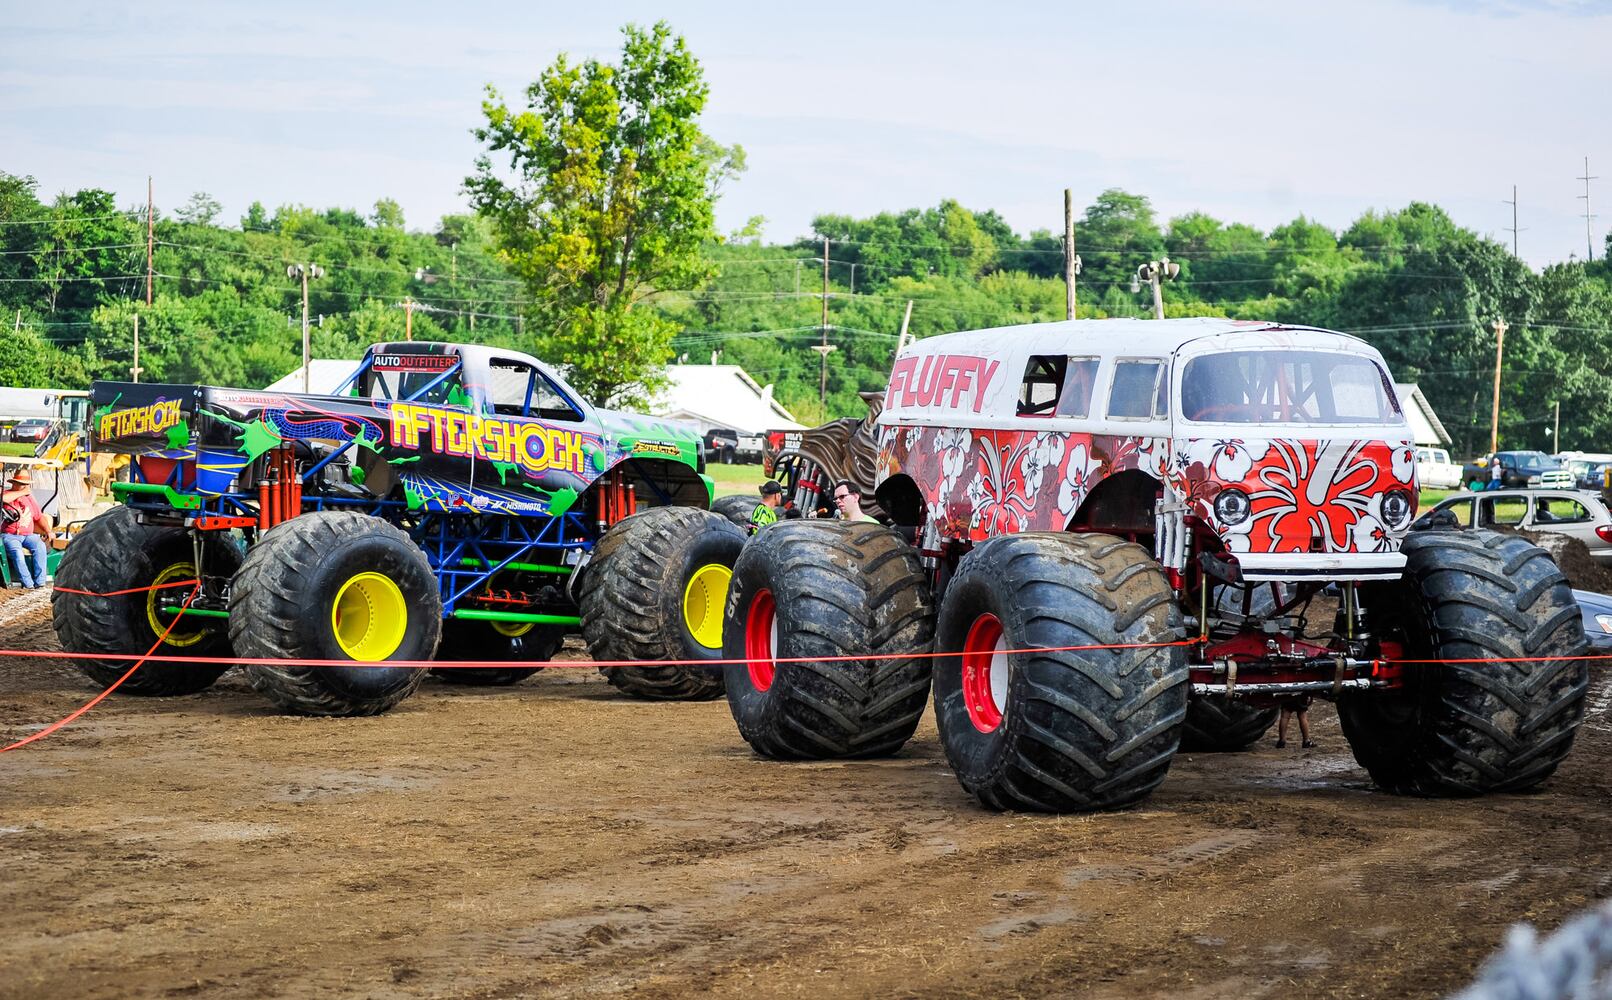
(760, 636)
(985, 673)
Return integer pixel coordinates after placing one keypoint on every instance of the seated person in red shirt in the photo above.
(19, 516)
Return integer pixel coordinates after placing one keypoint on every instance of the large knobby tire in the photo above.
(115, 552)
(1217, 724)
(736, 508)
(827, 589)
(478, 640)
(1067, 731)
(1472, 728)
(335, 585)
(655, 590)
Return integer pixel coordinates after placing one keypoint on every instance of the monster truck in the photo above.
(808, 463)
(445, 490)
(1110, 532)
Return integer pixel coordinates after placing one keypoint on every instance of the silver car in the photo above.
(1578, 514)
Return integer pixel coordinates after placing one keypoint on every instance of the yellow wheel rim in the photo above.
(703, 601)
(155, 599)
(369, 617)
(513, 630)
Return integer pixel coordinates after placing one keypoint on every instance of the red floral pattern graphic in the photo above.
(1303, 495)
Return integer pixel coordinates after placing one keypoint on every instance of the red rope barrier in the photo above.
(150, 656)
(131, 590)
(59, 723)
(474, 664)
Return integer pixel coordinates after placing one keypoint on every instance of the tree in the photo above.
(1117, 234)
(608, 197)
(200, 210)
(25, 361)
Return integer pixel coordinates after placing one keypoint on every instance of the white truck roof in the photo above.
(978, 372)
(1153, 337)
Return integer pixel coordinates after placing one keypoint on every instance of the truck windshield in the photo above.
(1285, 387)
(1534, 461)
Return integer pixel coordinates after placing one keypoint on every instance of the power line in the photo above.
(403, 269)
(70, 249)
(68, 218)
(48, 280)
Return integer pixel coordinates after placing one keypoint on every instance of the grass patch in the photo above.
(16, 449)
(731, 479)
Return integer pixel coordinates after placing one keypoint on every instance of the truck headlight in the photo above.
(1533, 480)
(1396, 509)
(1605, 621)
(1232, 507)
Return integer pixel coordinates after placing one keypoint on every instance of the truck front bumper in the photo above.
(1327, 566)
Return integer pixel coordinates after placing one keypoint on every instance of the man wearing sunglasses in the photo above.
(848, 501)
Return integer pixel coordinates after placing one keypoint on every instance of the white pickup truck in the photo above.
(1435, 471)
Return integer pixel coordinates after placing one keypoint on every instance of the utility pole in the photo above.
(1155, 273)
(1499, 326)
(151, 241)
(823, 349)
(1071, 260)
(305, 271)
(135, 369)
(1556, 434)
(1589, 239)
(1514, 229)
(901, 341)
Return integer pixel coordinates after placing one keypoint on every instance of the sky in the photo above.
(1253, 112)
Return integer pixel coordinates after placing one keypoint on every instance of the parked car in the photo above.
(721, 445)
(1578, 514)
(1519, 469)
(1434, 470)
(1596, 610)
(1588, 473)
(31, 431)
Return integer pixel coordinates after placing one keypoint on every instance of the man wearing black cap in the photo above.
(766, 512)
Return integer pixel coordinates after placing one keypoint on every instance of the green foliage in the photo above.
(24, 361)
(608, 195)
(1422, 289)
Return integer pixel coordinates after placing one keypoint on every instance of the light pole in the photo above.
(305, 271)
(1155, 273)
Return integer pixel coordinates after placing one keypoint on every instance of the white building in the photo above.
(1424, 423)
(721, 396)
(324, 377)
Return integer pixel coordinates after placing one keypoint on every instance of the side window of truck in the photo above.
(1043, 383)
(1135, 389)
(1056, 385)
(516, 389)
(1077, 388)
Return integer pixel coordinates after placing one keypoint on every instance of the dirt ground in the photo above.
(555, 840)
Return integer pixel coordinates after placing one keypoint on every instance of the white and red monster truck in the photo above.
(1171, 495)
